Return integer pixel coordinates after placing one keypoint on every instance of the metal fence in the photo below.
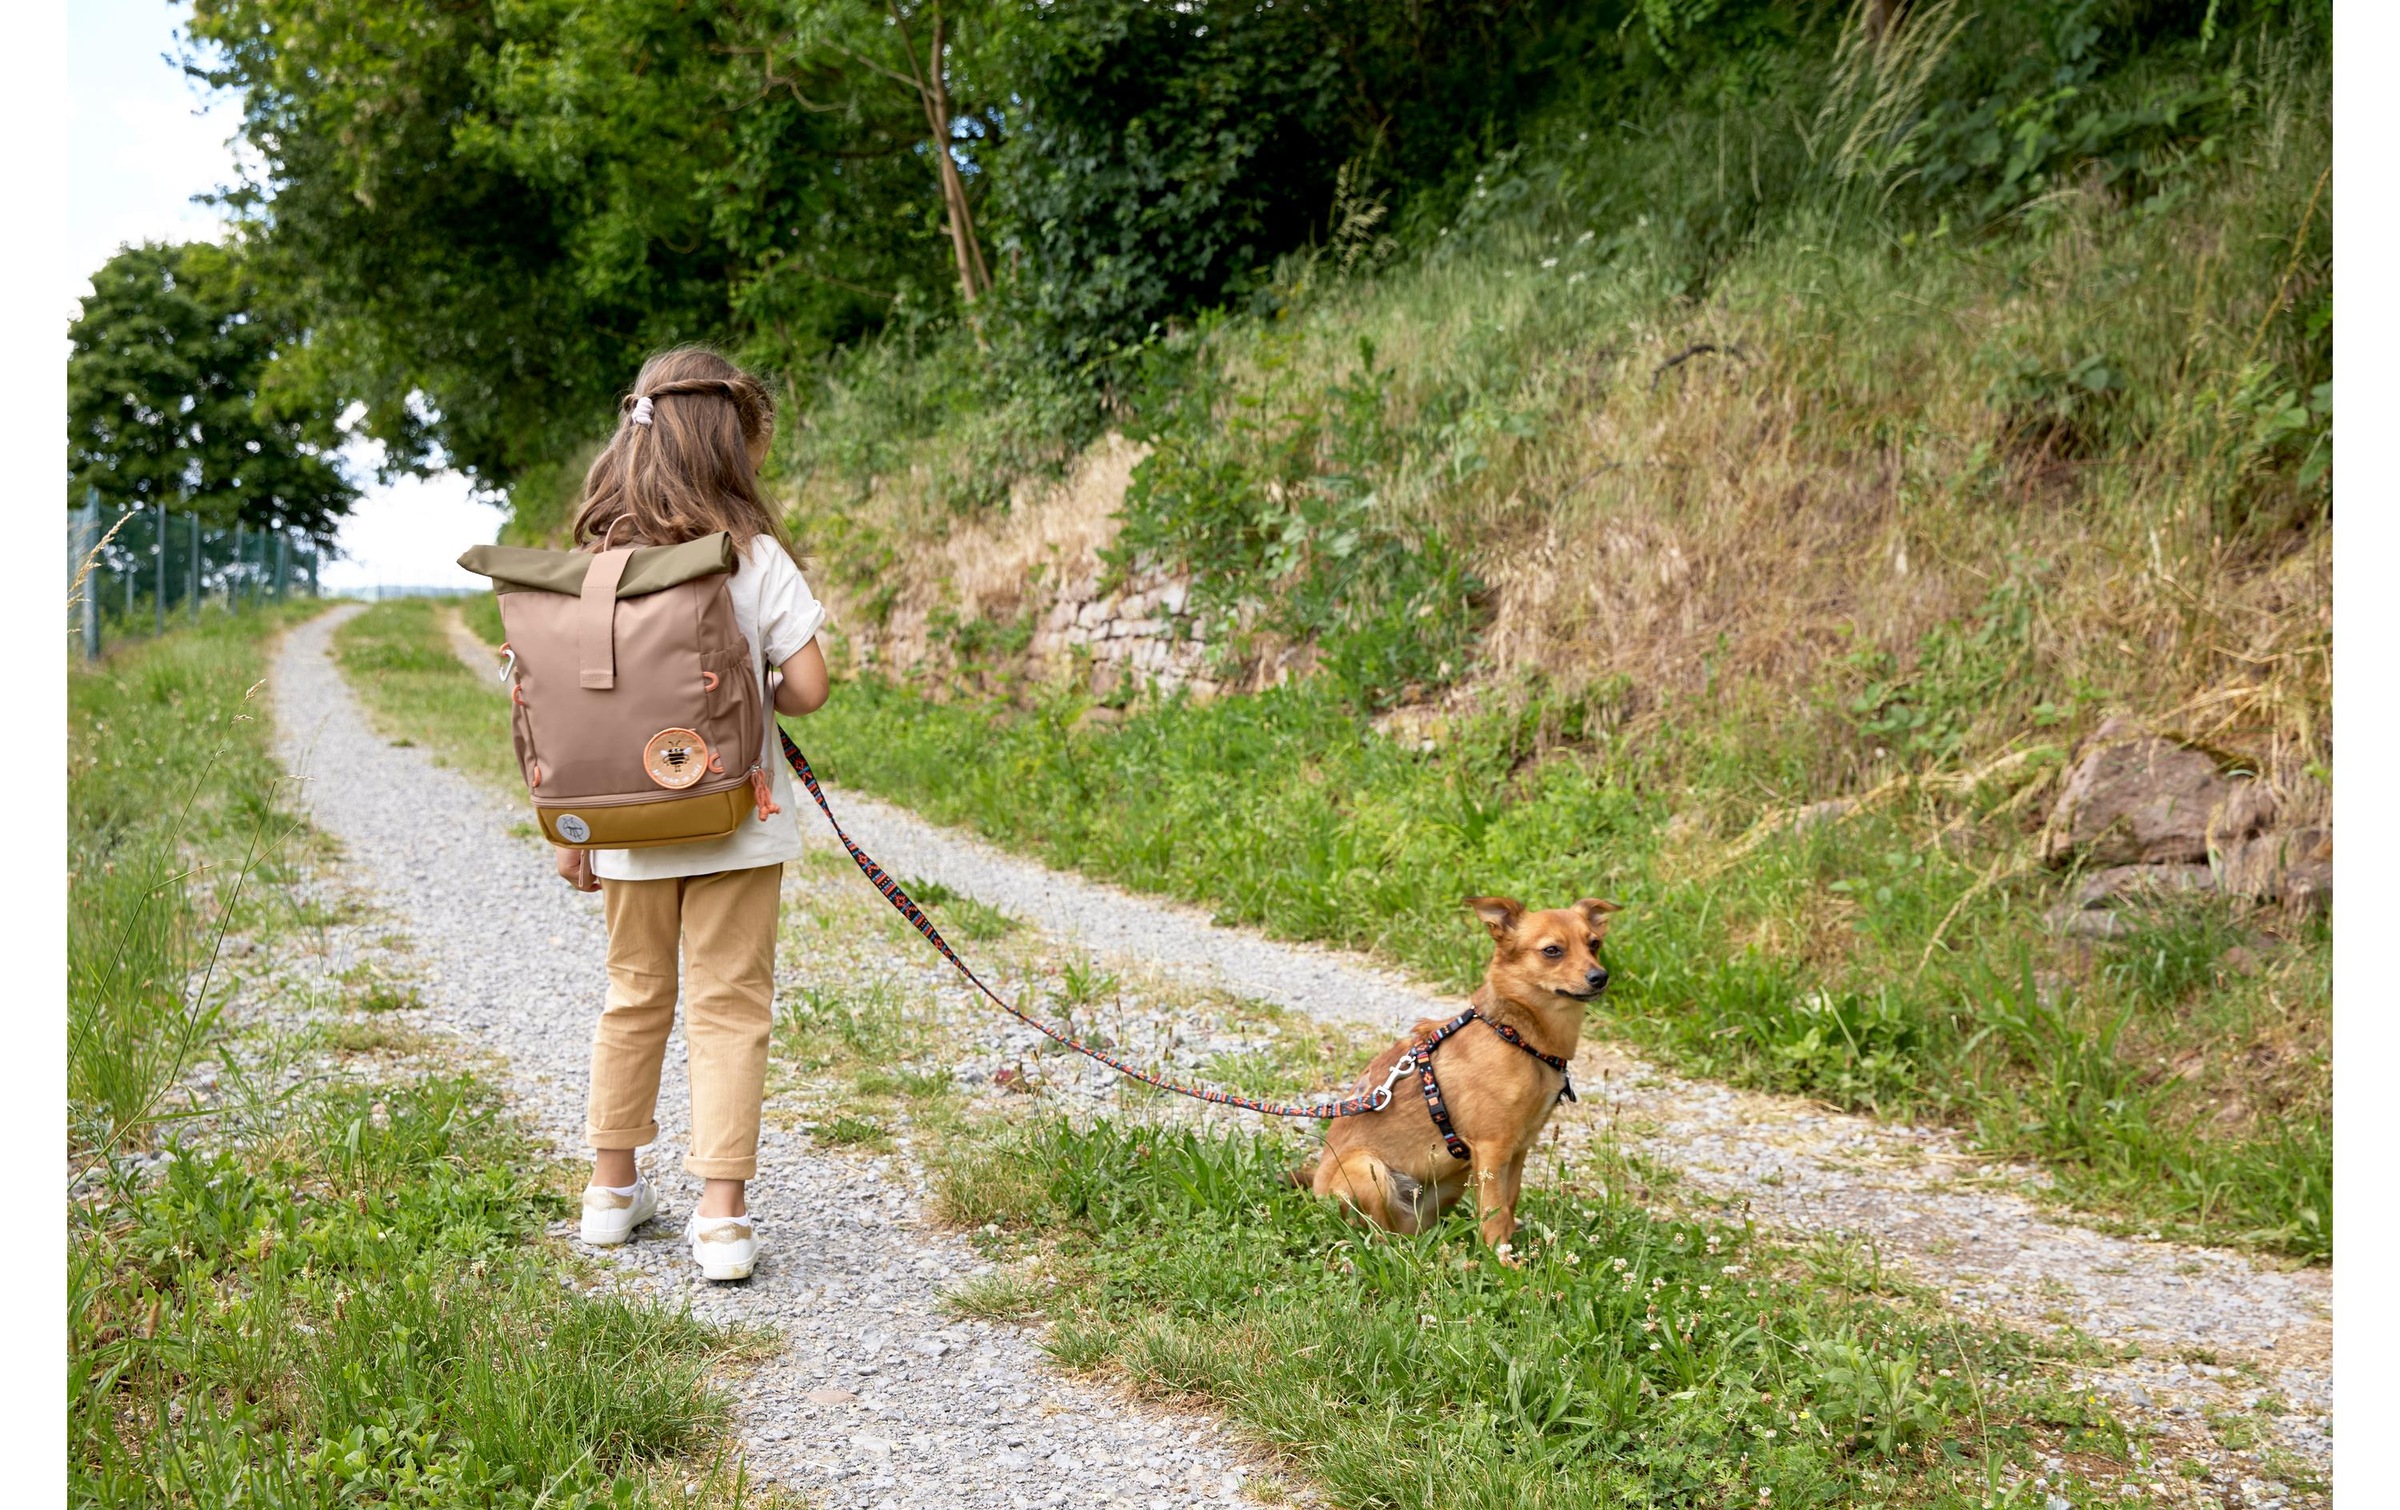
(146, 568)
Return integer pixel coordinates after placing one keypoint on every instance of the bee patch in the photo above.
(675, 758)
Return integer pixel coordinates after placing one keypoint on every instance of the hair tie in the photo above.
(641, 410)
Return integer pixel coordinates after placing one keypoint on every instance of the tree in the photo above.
(177, 394)
(495, 211)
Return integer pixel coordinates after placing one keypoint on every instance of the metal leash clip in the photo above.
(512, 662)
(1406, 1064)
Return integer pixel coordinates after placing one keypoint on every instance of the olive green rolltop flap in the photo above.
(649, 569)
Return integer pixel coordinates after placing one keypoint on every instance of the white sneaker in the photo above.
(725, 1247)
(609, 1218)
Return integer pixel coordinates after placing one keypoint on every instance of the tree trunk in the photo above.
(974, 279)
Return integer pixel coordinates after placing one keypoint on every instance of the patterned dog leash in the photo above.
(1349, 1106)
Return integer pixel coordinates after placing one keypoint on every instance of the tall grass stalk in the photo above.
(162, 856)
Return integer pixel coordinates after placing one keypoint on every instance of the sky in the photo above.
(142, 139)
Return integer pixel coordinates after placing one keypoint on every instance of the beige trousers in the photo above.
(726, 924)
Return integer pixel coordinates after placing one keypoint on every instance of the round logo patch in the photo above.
(573, 829)
(675, 758)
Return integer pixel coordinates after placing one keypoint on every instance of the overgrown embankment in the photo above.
(1749, 508)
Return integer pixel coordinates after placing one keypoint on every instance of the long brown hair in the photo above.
(679, 466)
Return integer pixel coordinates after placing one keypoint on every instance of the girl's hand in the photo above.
(575, 868)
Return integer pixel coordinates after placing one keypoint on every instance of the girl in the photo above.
(684, 464)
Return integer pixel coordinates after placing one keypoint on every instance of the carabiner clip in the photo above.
(511, 666)
(1406, 1064)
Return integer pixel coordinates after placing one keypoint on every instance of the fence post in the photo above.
(87, 540)
(233, 579)
(196, 565)
(283, 565)
(131, 576)
(162, 568)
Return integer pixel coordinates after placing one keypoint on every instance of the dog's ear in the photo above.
(1595, 911)
(1499, 914)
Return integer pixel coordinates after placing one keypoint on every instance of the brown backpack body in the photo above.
(637, 712)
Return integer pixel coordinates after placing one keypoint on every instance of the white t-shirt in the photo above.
(779, 616)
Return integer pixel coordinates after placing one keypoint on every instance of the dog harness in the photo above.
(1420, 1057)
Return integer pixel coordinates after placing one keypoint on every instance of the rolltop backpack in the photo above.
(636, 713)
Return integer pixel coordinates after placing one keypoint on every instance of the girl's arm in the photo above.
(805, 685)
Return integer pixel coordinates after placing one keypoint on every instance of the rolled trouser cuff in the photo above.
(622, 1137)
(722, 1169)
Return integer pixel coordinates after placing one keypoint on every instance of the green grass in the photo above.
(481, 611)
(1632, 1360)
(399, 657)
(328, 1291)
(358, 1308)
(1870, 962)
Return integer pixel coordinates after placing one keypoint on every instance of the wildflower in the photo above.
(1731, 1269)
(1704, 1292)
(1580, 240)
(1570, 1257)
(1549, 262)
(1650, 1326)
(1654, 1347)
(1616, 1263)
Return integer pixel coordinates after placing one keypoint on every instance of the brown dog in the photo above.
(1393, 1167)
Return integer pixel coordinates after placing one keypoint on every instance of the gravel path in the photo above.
(877, 1397)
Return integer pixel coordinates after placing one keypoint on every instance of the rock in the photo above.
(2137, 799)
(830, 1397)
(2142, 882)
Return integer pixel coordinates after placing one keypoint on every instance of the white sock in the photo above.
(622, 1189)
